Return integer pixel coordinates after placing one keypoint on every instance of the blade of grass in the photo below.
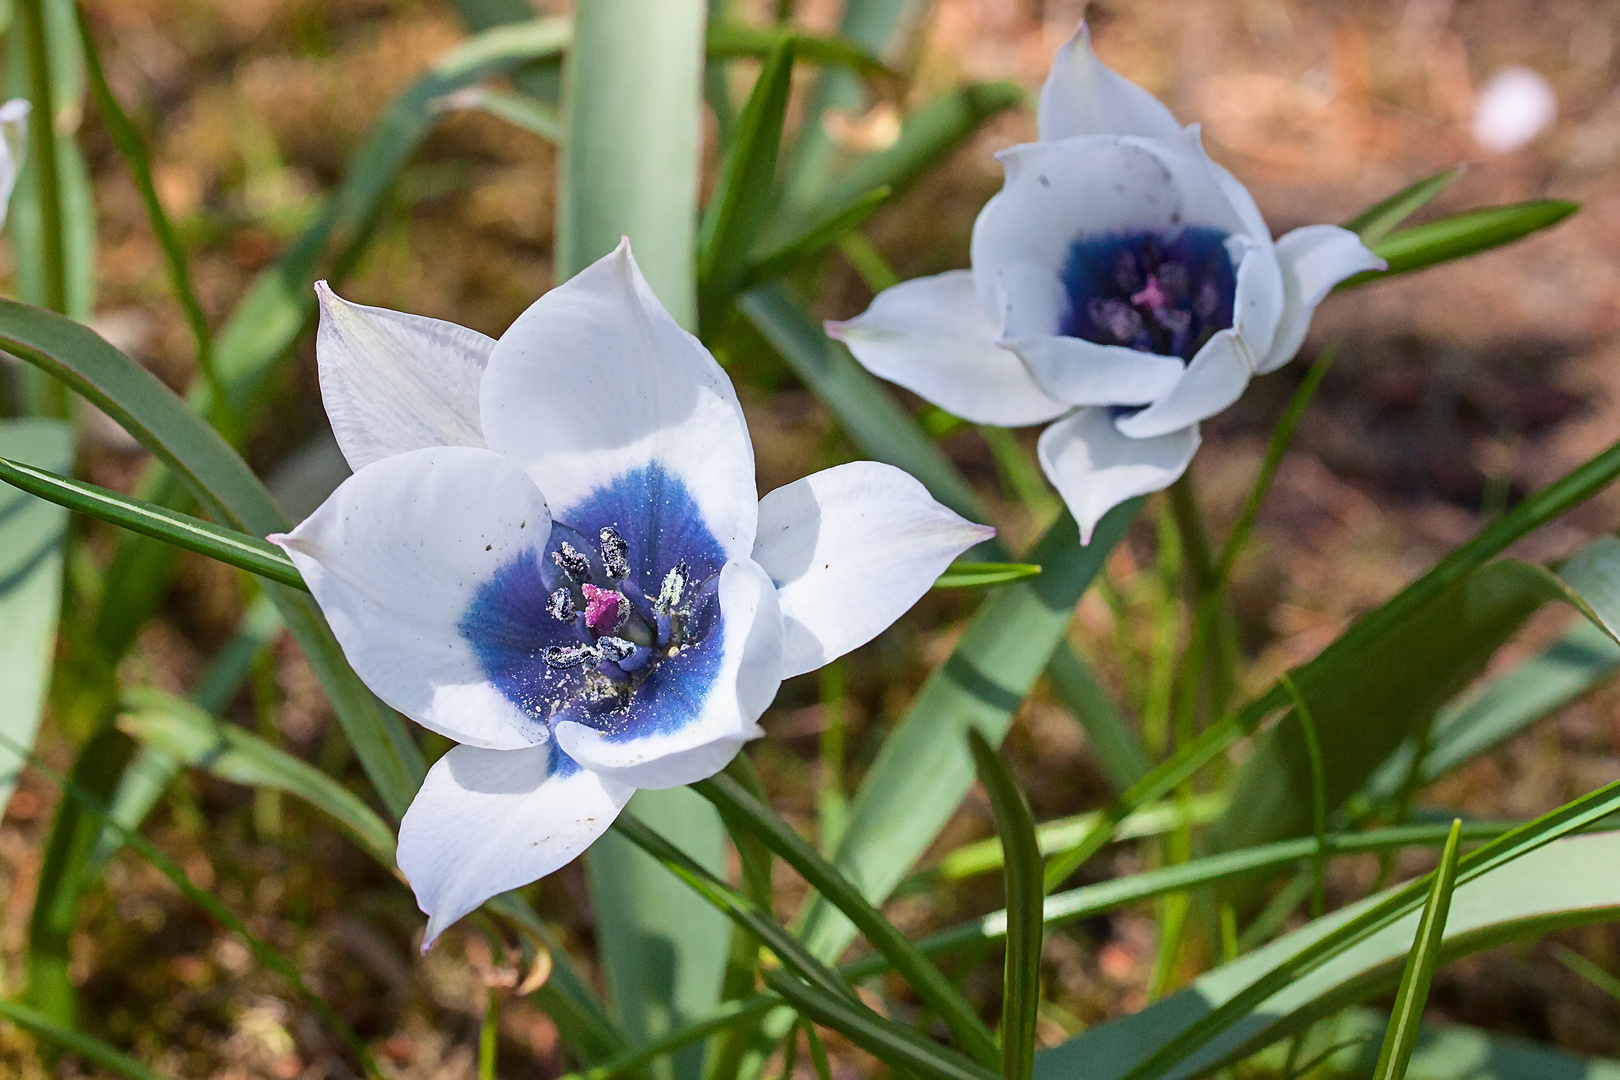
(813, 241)
(731, 39)
(1383, 218)
(1313, 747)
(1461, 235)
(1021, 980)
(89, 1047)
(930, 984)
(966, 575)
(230, 546)
(30, 16)
(1407, 1014)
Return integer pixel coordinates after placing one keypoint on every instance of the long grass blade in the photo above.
(30, 16)
(927, 980)
(1462, 235)
(1021, 981)
(89, 1047)
(1313, 751)
(1420, 968)
(1383, 218)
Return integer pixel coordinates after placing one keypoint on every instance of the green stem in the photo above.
(30, 16)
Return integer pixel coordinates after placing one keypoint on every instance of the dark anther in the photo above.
(615, 553)
(669, 597)
(560, 605)
(574, 564)
(614, 648)
(569, 656)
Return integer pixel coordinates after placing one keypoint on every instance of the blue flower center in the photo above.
(616, 624)
(1150, 293)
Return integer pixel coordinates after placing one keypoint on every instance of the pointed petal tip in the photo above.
(835, 328)
(14, 110)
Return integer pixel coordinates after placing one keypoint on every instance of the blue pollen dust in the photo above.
(617, 624)
(1149, 293)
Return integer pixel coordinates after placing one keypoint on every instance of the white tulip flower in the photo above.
(1123, 285)
(552, 551)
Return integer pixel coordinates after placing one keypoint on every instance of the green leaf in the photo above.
(535, 117)
(198, 739)
(1117, 748)
(1421, 965)
(927, 136)
(892, 1043)
(1021, 980)
(747, 186)
(967, 575)
(1457, 1050)
(804, 248)
(633, 95)
(729, 39)
(1568, 883)
(1383, 218)
(224, 484)
(31, 538)
(1462, 235)
(230, 546)
(925, 979)
(923, 770)
(76, 1042)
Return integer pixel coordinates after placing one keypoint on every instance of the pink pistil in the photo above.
(1153, 297)
(602, 607)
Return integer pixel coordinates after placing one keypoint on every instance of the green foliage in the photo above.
(1401, 1039)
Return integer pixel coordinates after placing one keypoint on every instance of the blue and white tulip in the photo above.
(552, 551)
(1123, 285)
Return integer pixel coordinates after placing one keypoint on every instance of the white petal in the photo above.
(851, 549)
(13, 147)
(1073, 369)
(1222, 368)
(486, 821)
(1095, 468)
(596, 380)
(1313, 260)
(1084, 96)
(647, 755)
(395, 558)
(933, 337)
(1058, 192)
(394, 382)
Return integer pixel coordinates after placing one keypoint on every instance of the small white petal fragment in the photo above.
(394, 382)
(1084, 96)
(486, 821)
(395, 557)
(1313, 259)
(13, 147)
(851, 549)
(596, 380)
(750, 671)
(933, 337)
(1095, 468)
(1514, 106)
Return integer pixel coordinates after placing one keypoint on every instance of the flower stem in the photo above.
(42, 147)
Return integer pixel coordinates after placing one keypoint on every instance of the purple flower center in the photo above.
(1148, 292)
(603, 609)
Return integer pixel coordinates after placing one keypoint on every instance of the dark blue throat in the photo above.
(1150, 293)
(617, 623)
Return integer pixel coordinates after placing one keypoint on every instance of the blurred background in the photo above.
(1454, 393)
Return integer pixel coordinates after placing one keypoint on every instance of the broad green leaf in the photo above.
(926, 980)
(1421, 964)
(1383, 218)
(31, 539)
(230, 546)
(1021, 981)
(1567, 883)
(966, 575)
(1461, 235)
(1118, 749)
(198, 739)
(633, 97)
(804, 248)
(224, 484)
(924, 769)
(1454, 1051)
(743, 195)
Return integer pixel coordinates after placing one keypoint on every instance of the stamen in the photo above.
(669, 597)
(569, 656)
(560, 605)
(615, 553)
(614, 648)
(573, 562)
